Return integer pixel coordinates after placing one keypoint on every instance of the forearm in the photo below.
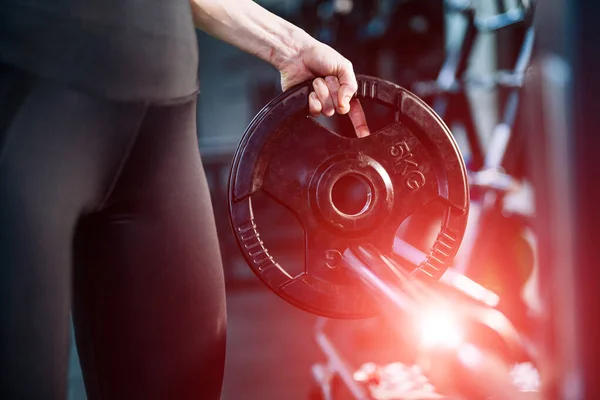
(251, 28)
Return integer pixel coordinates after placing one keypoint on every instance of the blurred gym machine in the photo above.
(562, 148)
(402, 41)
(559, 152)
(534, 180)
(409, 35)
(499, 247)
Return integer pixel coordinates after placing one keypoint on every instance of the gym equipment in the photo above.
(498, 195)
(408, 33)
(390, 280)
(314, 172)
(416, 299)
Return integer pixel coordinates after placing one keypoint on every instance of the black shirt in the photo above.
(119, 49)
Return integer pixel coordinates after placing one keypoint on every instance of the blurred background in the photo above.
(467, 59)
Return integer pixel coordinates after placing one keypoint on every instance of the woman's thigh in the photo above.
(59, 149)
(149, 306)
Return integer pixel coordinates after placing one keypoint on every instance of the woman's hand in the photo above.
(334, 82)
(297, 55)
(316, 60)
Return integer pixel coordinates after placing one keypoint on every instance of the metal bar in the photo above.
(385, 294)
(322, 376)
(456, 60)
(501, 21)
(502, 138)
(460, 109)
(526, 50)
(451, 277)
(341, 366)
(408, 252)
(467, 43)
(502, 133)
(414, 296)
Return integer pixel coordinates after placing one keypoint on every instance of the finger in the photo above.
(333, 84)
(322, 92)
(348, 86)
(358, 118)
(314, 105)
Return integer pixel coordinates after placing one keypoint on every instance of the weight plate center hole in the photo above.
(351, 195)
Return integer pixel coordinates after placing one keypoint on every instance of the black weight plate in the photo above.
(298, 162)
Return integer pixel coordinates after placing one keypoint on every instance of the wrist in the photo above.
(289, 50)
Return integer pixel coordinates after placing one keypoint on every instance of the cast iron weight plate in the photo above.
(297, 161)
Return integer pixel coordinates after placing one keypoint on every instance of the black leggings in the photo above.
(104, 207)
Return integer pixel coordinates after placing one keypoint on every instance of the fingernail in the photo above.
(347, 101)
(330, 79)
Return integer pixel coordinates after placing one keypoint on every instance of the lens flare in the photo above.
(439, 328)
